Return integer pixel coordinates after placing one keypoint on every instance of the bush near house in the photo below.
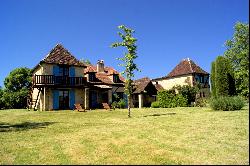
(188, 92)
(169, 99)
(155, 104)
(227, 103)
(120, 104)
(201, 102)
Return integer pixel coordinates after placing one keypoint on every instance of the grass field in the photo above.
(151, 136)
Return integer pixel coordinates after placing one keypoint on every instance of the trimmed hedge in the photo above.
(155, 104)
(227, 103)
(168, 99)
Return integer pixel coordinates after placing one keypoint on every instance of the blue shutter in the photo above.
(125, 97)
(197, 78)
(56, 70)
(72, 74)
(72, 71)
(55, 99)
(56, 73)
(205, 79)
(72, 99)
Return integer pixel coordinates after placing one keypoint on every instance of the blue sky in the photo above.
(167, 31)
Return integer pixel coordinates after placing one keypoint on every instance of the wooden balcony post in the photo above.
(86, 97)
(44, 99)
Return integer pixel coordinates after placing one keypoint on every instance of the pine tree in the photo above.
(223, 76)
(213, 87)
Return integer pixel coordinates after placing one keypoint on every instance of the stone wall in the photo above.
(79, 96)
(168, 83)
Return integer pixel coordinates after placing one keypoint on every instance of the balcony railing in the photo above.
(58, 80)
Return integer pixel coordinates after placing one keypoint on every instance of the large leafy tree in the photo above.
(18, 79)
(238, 53)
(16, 88)
(129, 42)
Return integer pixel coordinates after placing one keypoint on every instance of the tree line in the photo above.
(230, 71)
(16, 89)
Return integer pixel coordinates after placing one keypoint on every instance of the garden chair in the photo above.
(105, 106)
(79, 108)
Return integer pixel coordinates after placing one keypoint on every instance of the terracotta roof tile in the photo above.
(186, 66)
(158, 87)
(140, 84)
(60, 55)
(104, 76)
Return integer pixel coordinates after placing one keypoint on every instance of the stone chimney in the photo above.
(100, 66)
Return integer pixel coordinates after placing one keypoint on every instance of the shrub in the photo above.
(227, 103)
(188, 92)
(200, 102)
(168, 99)
(121, 103)
(155, 104)
(180, 101)
(114, 105)
(165, 98)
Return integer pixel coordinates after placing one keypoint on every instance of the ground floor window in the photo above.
(63, 99)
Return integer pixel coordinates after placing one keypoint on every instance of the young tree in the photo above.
(238, 54)
(129, 42)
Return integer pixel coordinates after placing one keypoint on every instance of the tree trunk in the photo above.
(129, 106)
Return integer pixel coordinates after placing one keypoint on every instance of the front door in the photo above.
(63, 99)
(93, 99)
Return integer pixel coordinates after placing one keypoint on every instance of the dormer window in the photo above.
(115, 78)
(91, 76)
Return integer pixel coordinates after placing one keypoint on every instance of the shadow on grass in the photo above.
(7, 127)
(170, 113)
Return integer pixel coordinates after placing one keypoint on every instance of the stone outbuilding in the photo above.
(144, 92)
(186, 73)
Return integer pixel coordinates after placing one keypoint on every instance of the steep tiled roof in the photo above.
(90, 68)
(186, 66)
(140, 84)
(158, 87)
(60, 55)
(104, 76)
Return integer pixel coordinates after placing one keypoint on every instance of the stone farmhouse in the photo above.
(144, 93)
(186, 73)
(60, 81)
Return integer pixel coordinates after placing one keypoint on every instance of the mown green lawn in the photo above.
(151, 136)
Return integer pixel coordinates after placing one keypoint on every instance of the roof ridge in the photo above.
(60, 55)
(190, 65)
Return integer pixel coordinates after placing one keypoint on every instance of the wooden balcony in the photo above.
(52, 80)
